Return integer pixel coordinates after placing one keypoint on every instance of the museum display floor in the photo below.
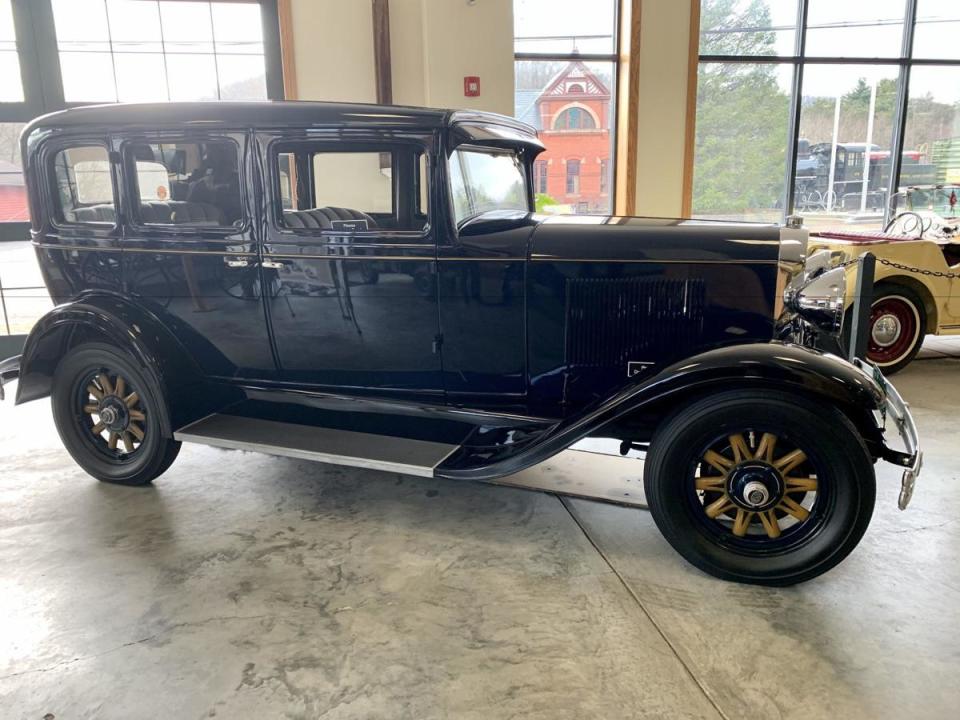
(247, 586)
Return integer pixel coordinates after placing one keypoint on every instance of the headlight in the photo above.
(820, 300)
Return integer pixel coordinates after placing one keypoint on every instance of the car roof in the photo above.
(269, 113)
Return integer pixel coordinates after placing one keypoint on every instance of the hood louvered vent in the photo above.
(611, 322)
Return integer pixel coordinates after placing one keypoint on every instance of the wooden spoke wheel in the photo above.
(114, 414)
(756, 485)
(107, 409)
(759, 486)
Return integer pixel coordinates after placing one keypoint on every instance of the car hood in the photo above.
(617, 238)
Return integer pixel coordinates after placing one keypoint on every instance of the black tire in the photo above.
(893, 299)
(836, 461)
(147, 457)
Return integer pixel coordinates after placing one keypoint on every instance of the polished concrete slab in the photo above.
(247, 586)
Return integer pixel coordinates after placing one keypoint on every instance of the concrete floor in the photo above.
(244, 586)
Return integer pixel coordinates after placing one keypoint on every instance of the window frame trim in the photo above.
(278, 145)
(486, 150)
(49, 184)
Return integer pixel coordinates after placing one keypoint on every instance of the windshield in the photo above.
(484, 180)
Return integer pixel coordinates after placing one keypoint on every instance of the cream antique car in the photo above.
(916, 290)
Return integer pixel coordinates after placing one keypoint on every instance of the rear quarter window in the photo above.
(84, 185)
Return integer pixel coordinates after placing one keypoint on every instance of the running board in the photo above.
(328, 445)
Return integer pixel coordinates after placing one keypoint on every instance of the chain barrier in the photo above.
(905, 268)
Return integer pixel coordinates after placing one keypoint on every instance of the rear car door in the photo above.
(349, 262)
(189, 248)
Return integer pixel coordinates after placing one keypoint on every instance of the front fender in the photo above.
(111, 319)
(638, 408)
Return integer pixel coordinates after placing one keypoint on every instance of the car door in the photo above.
(349, 264)
(189, 247)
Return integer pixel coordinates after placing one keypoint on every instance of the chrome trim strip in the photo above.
(691, 261)
(390, 258)
(149, 251)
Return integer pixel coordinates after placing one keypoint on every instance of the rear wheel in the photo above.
(760, 488)
(106, 412)
(897, 327)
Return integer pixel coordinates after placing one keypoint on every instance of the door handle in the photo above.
(236, 263)
(272, 265)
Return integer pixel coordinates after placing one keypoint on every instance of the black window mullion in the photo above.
(903, 99)
(796, 106)
(47, 85)
(272, 52)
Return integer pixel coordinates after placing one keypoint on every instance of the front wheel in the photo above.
(760, 488)
(106, 410)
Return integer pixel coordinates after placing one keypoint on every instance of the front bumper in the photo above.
(896, 409)
(9, 370)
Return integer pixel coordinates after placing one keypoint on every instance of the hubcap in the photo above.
(113, 413)
(886, 330)
(756, 486)
(894, 330)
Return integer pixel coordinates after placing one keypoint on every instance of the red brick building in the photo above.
(13, 194)
(572, 116)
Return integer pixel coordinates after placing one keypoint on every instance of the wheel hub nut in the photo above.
(755, 494)
(108, 415)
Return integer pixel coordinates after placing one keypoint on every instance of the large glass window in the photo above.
(565, 68)
(11, 88)
(57, 53)
(835, 87)
(143, 50)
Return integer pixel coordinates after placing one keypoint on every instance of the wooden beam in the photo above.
(690, 138)
(628, 87)
(381, 52)
(287, 59)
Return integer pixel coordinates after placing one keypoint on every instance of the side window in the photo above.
(83, 185)
(486, 181)
(187, 183)
(339, 189)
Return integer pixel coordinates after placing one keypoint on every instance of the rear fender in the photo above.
(111, 319)
(635, 412)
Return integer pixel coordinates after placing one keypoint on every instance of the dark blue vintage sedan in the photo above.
(370, 286)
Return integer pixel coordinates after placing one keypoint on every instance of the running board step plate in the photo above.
(338, 447)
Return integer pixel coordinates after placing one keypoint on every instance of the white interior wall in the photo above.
(434, 45)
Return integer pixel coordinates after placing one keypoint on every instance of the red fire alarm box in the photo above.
(471, 86)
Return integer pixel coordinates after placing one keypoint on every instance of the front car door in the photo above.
(349, 263)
